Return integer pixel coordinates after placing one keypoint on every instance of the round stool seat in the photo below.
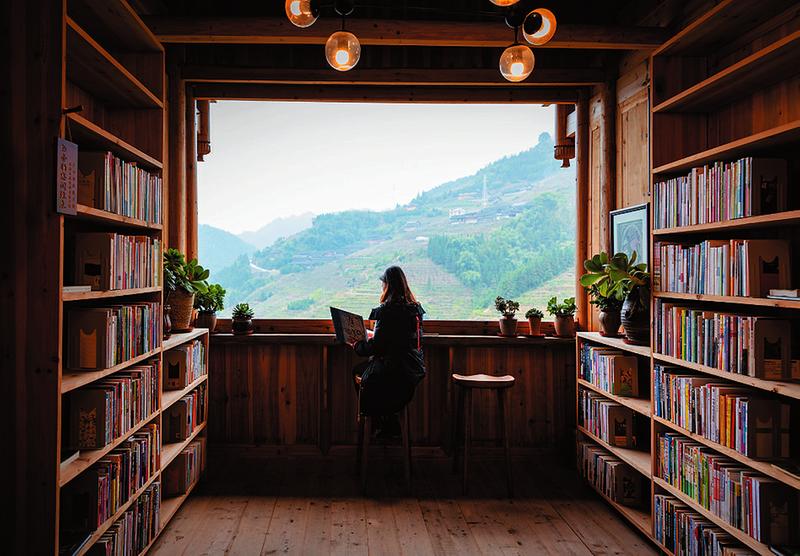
(484, 381)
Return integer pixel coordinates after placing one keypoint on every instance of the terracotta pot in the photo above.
(565, 326)
(181, 314)
(609, 323)
(206, 319)
(636, 317)
(508, 326)
(242, 327)
(536, 326)
(167, 326)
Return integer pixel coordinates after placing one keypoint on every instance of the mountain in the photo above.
(218, 248)
(278, 228)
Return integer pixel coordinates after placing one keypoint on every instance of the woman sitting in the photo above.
(388, 380)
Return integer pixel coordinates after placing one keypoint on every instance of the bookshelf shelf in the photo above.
(618, 343)
(170, 451)
(87, 134)
(639, 405)
(637, 517)
(169, 397)
(182, 337)
(788, 389)
(756, 71)
(761, 466)
(170, 506)
(729, 299)
(121, 25)
(88, 457)
(745, 146)
(70, 380)
(107, 294)
(740, 535)
(787, 218)
(637, 459)
(97, 70)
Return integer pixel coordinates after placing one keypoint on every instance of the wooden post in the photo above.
(582, 199)
(191, 174)
(176, 116)
(608, 159)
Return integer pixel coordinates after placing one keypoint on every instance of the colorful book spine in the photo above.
(185, 415)
(135, 529)
(111, 261)
(184, 364)
(610, 370)
(185, 469)
(609, 421)
(610, 475)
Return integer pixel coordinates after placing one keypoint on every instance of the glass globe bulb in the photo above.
(301, 13)
(539, 26)
(516, 63)
(342, 50)
(503, 3)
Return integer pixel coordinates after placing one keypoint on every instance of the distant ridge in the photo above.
(219, 248)
(280, 227)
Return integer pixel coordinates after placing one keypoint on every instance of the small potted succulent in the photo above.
(534, 317)
(607, 291)
(207, 304)
(242, 322)
(508, 322)
(182, 280)
(564, 314)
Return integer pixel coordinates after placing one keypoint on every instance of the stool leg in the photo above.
(365, 453)
(406, 448)
(457, 419)
(360, 445)
(467, 434)
(502, 407)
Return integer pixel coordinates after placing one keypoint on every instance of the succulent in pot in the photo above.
(564, 314)
(242, 319)
(607, 292)
(182, 280)
(534, 317)
(508, 309)
(207, 304)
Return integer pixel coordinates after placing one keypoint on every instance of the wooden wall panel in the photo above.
(633, 170)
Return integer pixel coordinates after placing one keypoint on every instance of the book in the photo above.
(349, 327)
(183, 365)
(184, 470)
(110, 261)
(787, 294)
(76, 289)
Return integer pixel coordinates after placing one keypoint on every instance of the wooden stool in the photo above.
(364, 429)
(466, 383)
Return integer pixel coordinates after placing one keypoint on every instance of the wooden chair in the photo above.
(362, 453)
(465, 384)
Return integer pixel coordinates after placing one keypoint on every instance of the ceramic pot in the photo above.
(609, 323)
(167, 326)
(508, 326)
(536, 326)
(206, 319)
(636, 317)
(242, 327)
(182, 303)
(565, 326)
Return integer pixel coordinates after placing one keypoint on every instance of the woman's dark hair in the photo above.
(397, 289)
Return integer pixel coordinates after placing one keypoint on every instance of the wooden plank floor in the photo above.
(312, 506)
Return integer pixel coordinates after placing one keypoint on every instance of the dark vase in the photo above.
(636, 317)
(609, 322)
(167, 322)
(206, 319)
(508, 326)
(242, 327)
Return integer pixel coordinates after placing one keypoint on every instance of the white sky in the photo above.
(273, 159)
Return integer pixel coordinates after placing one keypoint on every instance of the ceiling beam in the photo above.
(278, 30)
(389, 94)
(550, 77)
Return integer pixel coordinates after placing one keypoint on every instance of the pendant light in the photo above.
(302, 13)
(539, 26)
(516, 61)
(342, 49)
(503, 3)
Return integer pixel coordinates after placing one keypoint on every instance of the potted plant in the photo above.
(508, 308)
(207, 304)
(607, 292)
(636, 307)
(182, 281)
(242, 323)
(564, 314)
(534, 317)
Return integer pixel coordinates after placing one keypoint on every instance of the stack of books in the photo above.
(111, 184)
(95, 495)
(184, 364)
(182, 417)
(721, 191)
(102, 337)
(611, 422)
(755, 426)
(760, 506)
(686, 533)
(135, 529)
(747, 345)
(107, 409)
(111, 261)
(185, 469)
(750, 267)
(610, 475)
(610, 370)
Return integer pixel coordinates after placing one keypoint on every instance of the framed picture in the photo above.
(630, 228)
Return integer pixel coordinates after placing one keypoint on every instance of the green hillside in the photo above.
(218, 248)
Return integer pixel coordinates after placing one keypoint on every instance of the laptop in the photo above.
(349, 327)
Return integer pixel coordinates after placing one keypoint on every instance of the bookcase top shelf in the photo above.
(746, 146)
(787, 218)
(90, 136)
(179, 338)
(108, 294)
(639, 405)
(618, 343)
(70, 380)
(100, 73)
(730, 299)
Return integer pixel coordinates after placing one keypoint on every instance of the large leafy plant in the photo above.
(507, 307)
(566, 308)
(610, 280)
(211, 300)
(179, 274)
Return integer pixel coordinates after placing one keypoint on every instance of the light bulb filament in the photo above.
(342, 57)
(295, 7)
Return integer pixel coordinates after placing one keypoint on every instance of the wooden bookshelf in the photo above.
(107, 294)
(70, 380)
(171, 505)
(170, 451)
(787, 218)
(730, 299)
(116, 22)
(169, 397)
(618, 343)
(635, 516)
(179, 338)
(637, 459)
(93, 137)
(639, 405)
